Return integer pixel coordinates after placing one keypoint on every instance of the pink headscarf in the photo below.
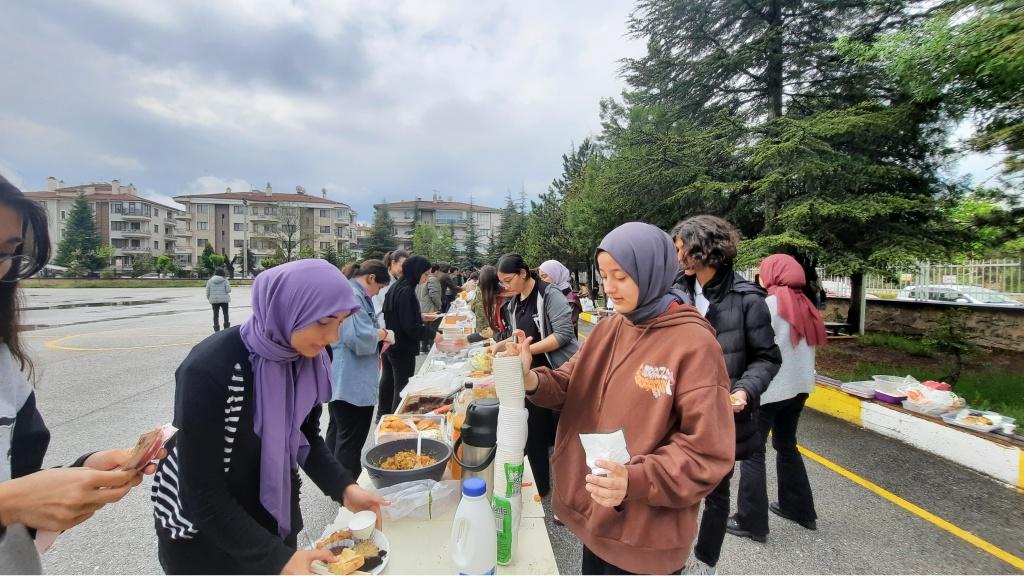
(784, 278)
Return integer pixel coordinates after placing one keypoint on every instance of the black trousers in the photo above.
(346, 433)
(216, 321)
(712, 523)
(592, 564)
(541, 428)
(402, 365)
(795, 497)
(386, 386)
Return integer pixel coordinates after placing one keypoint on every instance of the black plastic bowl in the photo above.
(383, 478)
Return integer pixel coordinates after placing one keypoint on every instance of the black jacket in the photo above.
(743, 327)
(207, 490)
(402, 309)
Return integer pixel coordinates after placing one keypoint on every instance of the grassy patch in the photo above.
(912, 346)
(119, 283)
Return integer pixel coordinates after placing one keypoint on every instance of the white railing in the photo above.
(972, 279)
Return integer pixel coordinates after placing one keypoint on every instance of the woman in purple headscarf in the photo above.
(247, 408)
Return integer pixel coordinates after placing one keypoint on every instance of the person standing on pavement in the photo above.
(393, 260)
(449, 287)
(355, 369)
(218, 293)
(542, 313)
(247, 408)
(486, 305)
(654, 371)
(799, 330)
(555, 273)
(37, 503)
(431, 297)
(403, 317)
(706, 247)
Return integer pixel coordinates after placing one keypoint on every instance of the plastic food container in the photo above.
(414, 404)
(862, 389)
(380, 437)
(957, 419)
(928, 409)
(894, 381)
(889, 394)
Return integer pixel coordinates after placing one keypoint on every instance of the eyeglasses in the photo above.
(20, 265)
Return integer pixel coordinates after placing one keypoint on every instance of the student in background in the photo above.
(555, 273)
(431, 297)
(218, 293)
(403, 317)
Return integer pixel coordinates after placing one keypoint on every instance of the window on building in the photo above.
(117, 226)
(325, 245)
(119, 243)
(202, 208)
(63, 215)
(156, 245)
(136, 243)
(270, 211)
(116, 208)
(156, 228)
(340, 214)
(202, 242)
(238, 209)
(325, 229)
(239, 243)
(325, 213)
(239, 227)
(156, 211)
(202, 225)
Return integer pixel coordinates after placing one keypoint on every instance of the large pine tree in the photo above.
(382, 237)
(472, 257)
(81, 239)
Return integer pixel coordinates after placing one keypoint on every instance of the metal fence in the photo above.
(974, 282)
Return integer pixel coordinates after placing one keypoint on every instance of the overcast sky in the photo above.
(373, 100)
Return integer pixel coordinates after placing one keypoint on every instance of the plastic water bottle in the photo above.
(474, 543)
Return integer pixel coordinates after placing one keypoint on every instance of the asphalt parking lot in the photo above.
(106, 373)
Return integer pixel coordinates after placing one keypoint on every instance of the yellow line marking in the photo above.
(964, 535)
(56, 344)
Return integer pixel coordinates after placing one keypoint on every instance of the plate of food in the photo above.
(354, 556)
(980, 420)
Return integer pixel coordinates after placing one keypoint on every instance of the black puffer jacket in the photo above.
(743, 326)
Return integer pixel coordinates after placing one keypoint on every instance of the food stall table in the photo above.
(423, 546)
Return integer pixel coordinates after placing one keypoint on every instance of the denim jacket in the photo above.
(355, 369)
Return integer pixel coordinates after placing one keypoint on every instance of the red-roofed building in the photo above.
(132, 225)
(437, 212)
(263, 221)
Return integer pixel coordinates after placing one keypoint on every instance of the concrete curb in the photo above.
(999, 457)
(588, 317)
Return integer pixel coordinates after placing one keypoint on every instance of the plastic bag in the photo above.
(440, 383)
(420, 499)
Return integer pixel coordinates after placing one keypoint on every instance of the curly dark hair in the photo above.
(708, 240)
(36, 245)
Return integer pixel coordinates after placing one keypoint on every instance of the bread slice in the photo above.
(346, 563)
(338, 536)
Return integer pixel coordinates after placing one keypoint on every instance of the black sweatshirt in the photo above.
(402, 316)
(208, 487)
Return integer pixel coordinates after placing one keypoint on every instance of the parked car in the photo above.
(957, 294)
(837, 289)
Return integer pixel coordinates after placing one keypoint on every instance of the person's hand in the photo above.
(487, 333)
(438, 338)
(300, 562)
(739, 400)
(114, 459)
(608, 491)
(382, 334)
(357, 499)
(526, 358)
(58, 498)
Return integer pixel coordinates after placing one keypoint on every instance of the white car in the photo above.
(957, 294)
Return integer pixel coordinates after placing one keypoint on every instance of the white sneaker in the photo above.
(695, 566)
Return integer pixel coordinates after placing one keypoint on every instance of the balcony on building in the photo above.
(135, 214)
(183, 216)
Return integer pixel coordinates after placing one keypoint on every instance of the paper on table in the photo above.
(610, 446)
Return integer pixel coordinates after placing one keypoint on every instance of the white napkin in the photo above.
(610, 447)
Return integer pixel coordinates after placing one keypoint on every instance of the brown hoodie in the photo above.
(665, 384)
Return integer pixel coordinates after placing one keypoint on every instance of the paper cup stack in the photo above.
(508, 458)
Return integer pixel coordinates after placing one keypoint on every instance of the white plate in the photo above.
(379, 539)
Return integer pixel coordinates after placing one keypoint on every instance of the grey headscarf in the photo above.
(648, 255)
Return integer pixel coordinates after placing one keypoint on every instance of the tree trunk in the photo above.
(854, 313)
(774, 71)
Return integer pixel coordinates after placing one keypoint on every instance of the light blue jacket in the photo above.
(355, 369)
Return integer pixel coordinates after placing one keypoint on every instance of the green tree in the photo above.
(345, 253)
(105, 252)
(382, 237)
(162, 264)
(289, 231)
(968, 55)
(331, 255)
(80, 238)
(216, 262)
(472, 256)
(142, 265)
(306, 252)
(444, 246)
(424, 241)
(205, 264)
(511, 234)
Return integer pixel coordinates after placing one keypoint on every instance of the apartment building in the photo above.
(132, 225)
(438, 212)
(263, 220)
(360, 234)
